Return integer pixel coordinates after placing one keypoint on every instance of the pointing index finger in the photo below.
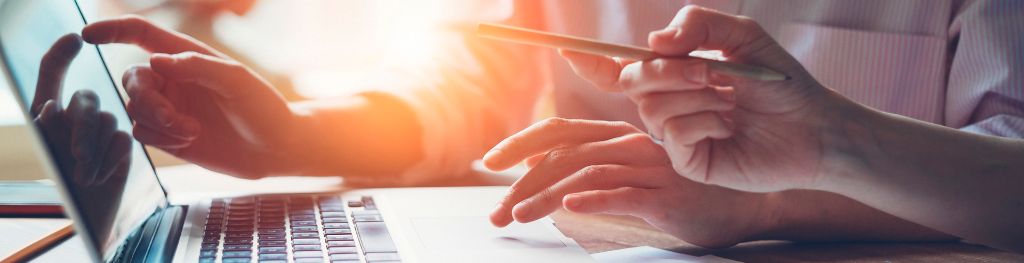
(52, 69)
(140, 32)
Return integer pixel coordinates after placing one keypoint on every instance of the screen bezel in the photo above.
(49, 164)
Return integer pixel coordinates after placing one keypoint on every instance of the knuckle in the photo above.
(749, 24)
(594, 173)
(624, 126)
(134, 19)
(635, 139)
(554, 123)
(627, 77)
(560, 155)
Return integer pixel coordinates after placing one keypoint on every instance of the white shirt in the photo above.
(954, 63)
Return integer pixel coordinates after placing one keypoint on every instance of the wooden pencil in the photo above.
(590, 46)
(47, 242)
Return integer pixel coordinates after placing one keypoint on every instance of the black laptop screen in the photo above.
(76, 107)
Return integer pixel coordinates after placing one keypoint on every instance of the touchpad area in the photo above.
(477, 233)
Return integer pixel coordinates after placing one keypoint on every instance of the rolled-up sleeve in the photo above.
(986, 77)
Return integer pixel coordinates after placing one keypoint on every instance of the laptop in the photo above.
(122, 213)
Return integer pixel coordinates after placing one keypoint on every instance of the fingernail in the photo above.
(667, 33)
(697, 73)
(163, 116)
(193, 128)
(489, 161)
(160, 56)
(572, 202)
(520, 211)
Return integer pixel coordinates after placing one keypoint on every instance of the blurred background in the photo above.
(307, 48)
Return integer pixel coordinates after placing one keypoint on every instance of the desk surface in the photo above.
(596, 233)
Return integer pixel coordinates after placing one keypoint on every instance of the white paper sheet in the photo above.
(651, 254)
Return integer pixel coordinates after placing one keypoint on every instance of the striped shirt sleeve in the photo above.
(986, 77)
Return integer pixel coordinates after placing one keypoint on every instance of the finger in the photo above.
(150, 108)
(689, 129)
(597, 177)
(533, 161)
(106, 130)
(663, 75)
(548, 134)
(49, 115)
(687, 141)
(83, 114)
(227, 78)
(696, 27)
(622, 201)
(138, 31)
(601, 71)
(635, 149)
(117, 156)
(656, 108)
(52, 69)
(162, 140)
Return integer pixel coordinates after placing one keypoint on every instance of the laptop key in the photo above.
(373, 257)
(367, 218)
(237, 241)
(374, 237)
(335, 257)
(342, 250)
(299, 229)
(305, 241)
(332, 209)
(236, 260)
(237, 254)
(272, 237)
(339, 237)
(306, 247)
(275, 256)
(309, 260)
(272, 243)
(305, 235)
(332, 214)
(303, 218)
(303, 223)
(308, 254)
(341, 243)
(273, 250)
(335, 220)
(245, 247)
(337, 231)
(335, 225)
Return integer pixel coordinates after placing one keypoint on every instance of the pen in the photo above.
(590, 46)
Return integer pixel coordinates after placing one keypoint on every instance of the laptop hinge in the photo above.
(157, 238)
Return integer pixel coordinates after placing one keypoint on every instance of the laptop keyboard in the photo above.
(296, 229)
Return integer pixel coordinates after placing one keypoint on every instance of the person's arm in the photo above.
(202, 106)
(960, 183)
(796, 134)
(430, 123)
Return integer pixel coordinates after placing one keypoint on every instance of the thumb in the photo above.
(601, 71)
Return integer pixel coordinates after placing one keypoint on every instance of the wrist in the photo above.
(300, 151)
(847, 135)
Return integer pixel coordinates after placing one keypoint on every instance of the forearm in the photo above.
(960, 183)
(365, 135)
(809, 215)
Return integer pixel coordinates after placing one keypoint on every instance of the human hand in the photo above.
(84, 140)
(611, 167)
(749, 135)
(200, 105)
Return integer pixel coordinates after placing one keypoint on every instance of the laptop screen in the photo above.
(74, 104)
